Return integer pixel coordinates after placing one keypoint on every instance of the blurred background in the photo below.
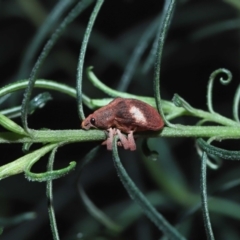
(203, 36)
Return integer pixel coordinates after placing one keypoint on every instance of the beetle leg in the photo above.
(109, 140)
(126, 143)
(123, 140)
(131, 141)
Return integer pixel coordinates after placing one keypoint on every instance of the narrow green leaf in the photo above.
(11, 126)
(203, 187)
(49, 194)
(113, 93)
(150, 154)
(236, 104)
(162, 224)
(80, 7)
(98, 214)
(50, 22)
(19, 165)
(45, 84)
(82, 56)
(49, 175)
(167, 16)
(219, 152)
(148, 63)
(40, 83)
(180, 102)
(137, 54)
(37, 102)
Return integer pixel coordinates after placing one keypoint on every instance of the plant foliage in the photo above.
(165, 180)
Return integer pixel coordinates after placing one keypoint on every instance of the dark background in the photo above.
(190, 54)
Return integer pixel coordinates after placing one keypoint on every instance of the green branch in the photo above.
(54, 136)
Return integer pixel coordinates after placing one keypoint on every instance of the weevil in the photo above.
(127, 116)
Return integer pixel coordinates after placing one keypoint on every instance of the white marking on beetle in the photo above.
(137, 114)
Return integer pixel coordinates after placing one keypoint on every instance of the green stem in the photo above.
(54, 136)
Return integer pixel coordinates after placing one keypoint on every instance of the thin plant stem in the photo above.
(203, 186)
(82, 56)
(49, 193)
(140, 199)
(49, 45)
(167, 15)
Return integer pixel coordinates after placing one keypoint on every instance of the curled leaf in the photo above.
(180, 102)
(18, 166)
(219, 152)
(26, 147)
(210, 84)
(213, 163)
(49, 175)
(152, 155)
(39, 101)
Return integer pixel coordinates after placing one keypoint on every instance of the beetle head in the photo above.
(89, 122)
